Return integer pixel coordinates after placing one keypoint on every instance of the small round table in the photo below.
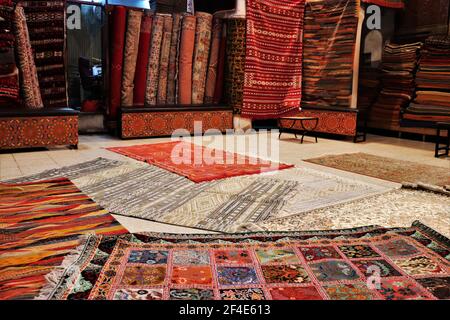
(302, 123)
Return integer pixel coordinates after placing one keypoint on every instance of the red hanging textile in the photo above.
(117, 39)
(273, 66)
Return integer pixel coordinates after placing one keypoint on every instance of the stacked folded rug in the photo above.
(398, 86)
(432, 102)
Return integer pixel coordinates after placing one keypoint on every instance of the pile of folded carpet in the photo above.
(165, 59)
(328, 52)
(9, 73)
(432, 102)
(398, 86)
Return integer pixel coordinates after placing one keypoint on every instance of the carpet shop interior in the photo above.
(224, 150)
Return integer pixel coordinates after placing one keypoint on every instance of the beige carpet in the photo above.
(387, 168)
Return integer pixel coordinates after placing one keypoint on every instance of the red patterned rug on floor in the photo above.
(198, 163)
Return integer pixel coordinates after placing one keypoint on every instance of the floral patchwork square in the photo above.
(188, 275)
(148, 256)
(242, 294)
(397, 248)
(236, 275)
(232, 257)
(358, 251)
(295, 293)
(371, 267)
(285, 274)
(357, 291)
(138, 294)
(334, 271)
(191, 294)
(143, 275)
(401, 289)
(419, 266)
(190, 257)
(319, 253)
(277, 256)
(439, 287)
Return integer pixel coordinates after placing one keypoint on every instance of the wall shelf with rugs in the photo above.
(156, 67)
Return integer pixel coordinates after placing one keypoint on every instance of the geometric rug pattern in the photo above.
(148, 192)
(397, 208)
(198, 163)
(371, 263)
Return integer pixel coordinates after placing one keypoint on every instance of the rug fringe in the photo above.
(68, 272)
(426, 187)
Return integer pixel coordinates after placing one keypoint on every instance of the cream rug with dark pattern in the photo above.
(140, 190)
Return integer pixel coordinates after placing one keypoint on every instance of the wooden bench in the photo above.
(25, 128)
(162, 121)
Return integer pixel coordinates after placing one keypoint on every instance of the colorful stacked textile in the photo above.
(398, 86)
(9, 74)
(46, 21)
(165, 59)
(328, 52)
(396, 4)
(321, 265)
(41, 224)
(432, 102)
(273, 65)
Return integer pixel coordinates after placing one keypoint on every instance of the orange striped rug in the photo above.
(40, 223)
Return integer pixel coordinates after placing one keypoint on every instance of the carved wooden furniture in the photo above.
(159, 121)
(332, 120)
(24, 128)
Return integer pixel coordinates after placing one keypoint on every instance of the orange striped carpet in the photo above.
(40, 223)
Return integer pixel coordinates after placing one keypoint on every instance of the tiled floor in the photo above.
(290, 151)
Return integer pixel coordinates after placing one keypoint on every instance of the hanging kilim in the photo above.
(46, 21)
(273, 65)
(397, 4)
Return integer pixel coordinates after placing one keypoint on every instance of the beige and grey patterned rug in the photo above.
(398, 208)
(147, 192)
(387, 168)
